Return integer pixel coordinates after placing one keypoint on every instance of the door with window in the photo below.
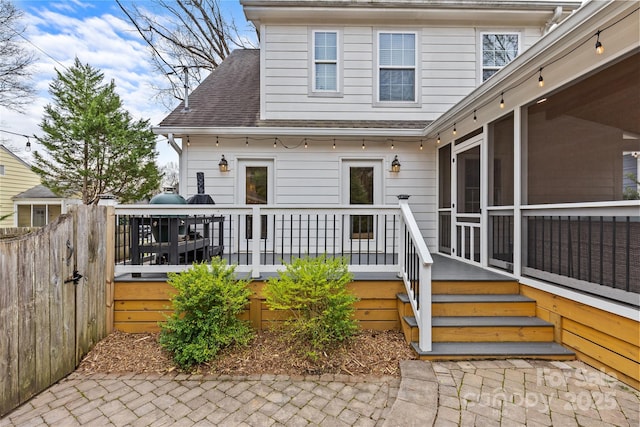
(362, 182)
(466, 230)
(256, 188)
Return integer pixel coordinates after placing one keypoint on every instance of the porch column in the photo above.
(518, 170)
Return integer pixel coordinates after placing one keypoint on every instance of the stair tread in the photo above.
(470, 321)
(438, 298)
(463, 321)
(514, 349)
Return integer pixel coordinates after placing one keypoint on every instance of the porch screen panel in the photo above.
(583, 146)
(578, 139)
(501, 190)
(361, 181)
(468, 181)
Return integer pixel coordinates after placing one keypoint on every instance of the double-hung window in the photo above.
(325, 61)
(397, 67)
(497, 51)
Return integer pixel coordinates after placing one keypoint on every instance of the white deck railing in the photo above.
(415, 264)
(374, 239)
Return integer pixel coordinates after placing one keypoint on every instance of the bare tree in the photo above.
(191, 35)
(16, 90)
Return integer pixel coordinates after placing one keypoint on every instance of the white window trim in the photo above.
(481, 33)
(312, 91)
(376, 72)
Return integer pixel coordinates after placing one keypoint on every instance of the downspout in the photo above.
(172, 143)
(555, 20)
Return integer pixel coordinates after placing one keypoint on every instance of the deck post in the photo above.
(425, 307)
(256, 235)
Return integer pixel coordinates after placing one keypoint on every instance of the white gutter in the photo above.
(284, 131)
(514, 70)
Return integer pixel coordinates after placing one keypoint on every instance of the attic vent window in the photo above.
(497, 51)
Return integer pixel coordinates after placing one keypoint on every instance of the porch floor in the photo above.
(445, 268)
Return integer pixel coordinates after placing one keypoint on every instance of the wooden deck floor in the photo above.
(443, 269)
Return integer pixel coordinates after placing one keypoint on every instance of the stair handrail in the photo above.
(420, 297)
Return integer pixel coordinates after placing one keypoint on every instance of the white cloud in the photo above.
(65, 30)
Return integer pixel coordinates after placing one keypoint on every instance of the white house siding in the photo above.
(448, 69)
(313, 175)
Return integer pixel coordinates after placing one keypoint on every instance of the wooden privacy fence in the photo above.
(55, 300)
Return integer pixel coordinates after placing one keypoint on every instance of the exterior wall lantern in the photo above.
(395, 165)
(223, 165)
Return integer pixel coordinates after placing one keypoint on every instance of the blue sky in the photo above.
(98, 33)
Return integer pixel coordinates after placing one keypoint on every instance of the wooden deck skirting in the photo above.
(140, 305)
(600, 339)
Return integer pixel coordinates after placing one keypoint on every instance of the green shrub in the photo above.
(314, 292)
(205, 317)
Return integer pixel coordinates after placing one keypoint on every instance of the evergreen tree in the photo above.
(93, 145)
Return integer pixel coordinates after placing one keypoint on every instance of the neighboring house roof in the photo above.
(37, 192)
(230, 97)
(15, 156)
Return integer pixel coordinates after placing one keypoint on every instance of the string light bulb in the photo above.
(599, 47)
(421, 145)
(475, 117)
(305, 143)
(502, 100)
(334, 144)
(275, 142)
(392, 146)
(540, 79)
(188, 142)
(438, 140)
(217, 142)
(246, 141)
(454, 129)
(363, 147)
(28, 147)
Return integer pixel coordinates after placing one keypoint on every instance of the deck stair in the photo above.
(482, 320)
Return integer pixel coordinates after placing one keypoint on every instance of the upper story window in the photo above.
(498, 49)
(397, 67)
(1, 169)
(325, 61)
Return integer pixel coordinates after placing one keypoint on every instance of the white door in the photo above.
(465, 197)
(361, 185)
(255, 188)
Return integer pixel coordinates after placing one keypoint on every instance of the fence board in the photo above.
(83, 308)
(26, 320)
(42, 311)
(9, 389)
(56, 317)
(68, 293)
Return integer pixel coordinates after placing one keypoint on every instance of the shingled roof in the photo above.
(230, 97)
(37, 192)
